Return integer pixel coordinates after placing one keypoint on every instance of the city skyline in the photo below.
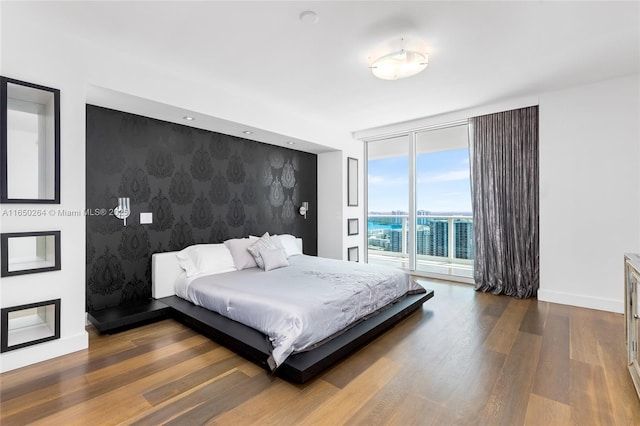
(443, 183)
(432, 237)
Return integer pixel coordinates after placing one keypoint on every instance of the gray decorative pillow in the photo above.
(242, 259)
(263, 243)
(274, 259)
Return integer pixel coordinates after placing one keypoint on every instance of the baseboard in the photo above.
(444, 277)
(599, 303)
(43, 351)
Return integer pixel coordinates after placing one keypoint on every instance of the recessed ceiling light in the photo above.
(309, 17)
(291, 143)
(248, 132)
(188, 118)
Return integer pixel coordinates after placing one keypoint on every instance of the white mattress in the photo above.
(302, 304)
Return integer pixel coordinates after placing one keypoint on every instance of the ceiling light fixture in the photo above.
(188, 118)
(291, 143)
(400, 64)
(247, 132)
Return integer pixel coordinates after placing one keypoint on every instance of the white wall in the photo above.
(355, 149)
(589, 191)
(333, 211)
(37, 59)
(330, 205)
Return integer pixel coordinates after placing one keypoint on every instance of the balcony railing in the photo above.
(440, 240)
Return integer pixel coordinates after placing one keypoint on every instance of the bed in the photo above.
(295, 315)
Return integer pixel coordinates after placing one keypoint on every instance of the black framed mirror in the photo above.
(30, 324)
(29, 252)
(29, 143)
(352, 226)
(352, 181)
(353, 254)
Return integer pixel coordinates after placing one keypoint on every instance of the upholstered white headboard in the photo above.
(165, 270)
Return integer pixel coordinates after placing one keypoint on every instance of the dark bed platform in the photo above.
(299, 367)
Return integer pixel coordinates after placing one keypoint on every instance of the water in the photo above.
(375, 225)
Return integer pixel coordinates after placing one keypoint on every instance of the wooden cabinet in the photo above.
(632, 315)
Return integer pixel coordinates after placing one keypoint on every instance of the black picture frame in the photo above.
(51, 153)
(6, 346)
(352, 182)
(352, 226)
(353, 254)
(5, 259)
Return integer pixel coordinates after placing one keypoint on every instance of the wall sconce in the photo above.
(122, 210)
(304, 209)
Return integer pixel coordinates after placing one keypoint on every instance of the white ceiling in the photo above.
(479, 52)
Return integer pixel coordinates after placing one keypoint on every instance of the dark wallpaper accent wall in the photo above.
(201, 186)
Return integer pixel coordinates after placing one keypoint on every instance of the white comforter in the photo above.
(302, 304)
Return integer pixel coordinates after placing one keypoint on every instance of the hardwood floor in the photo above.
(466, 358)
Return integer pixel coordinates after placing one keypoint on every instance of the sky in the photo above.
(443, 183)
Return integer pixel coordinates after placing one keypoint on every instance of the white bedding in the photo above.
(302, 304)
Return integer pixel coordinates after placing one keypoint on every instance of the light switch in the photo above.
(146, 218)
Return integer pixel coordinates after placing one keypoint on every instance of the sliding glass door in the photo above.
(419, 202)
(444, 223)
(388, 201)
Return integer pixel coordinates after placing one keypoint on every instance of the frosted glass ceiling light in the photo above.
(400, 64)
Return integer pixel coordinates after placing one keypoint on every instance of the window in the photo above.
(388, 201)
(419, 202)
(444, 223)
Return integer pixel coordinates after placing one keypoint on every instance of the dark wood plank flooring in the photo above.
(466, 358)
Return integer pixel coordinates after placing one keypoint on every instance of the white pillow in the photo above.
(265, 242)
(274, 258)
(290, 244)
(206, 258)
(242, 259)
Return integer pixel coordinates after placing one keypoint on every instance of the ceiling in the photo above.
(479, 52)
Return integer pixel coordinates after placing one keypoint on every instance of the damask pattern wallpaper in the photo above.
(201, 186)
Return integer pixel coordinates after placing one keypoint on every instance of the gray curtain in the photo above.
(504, 183)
